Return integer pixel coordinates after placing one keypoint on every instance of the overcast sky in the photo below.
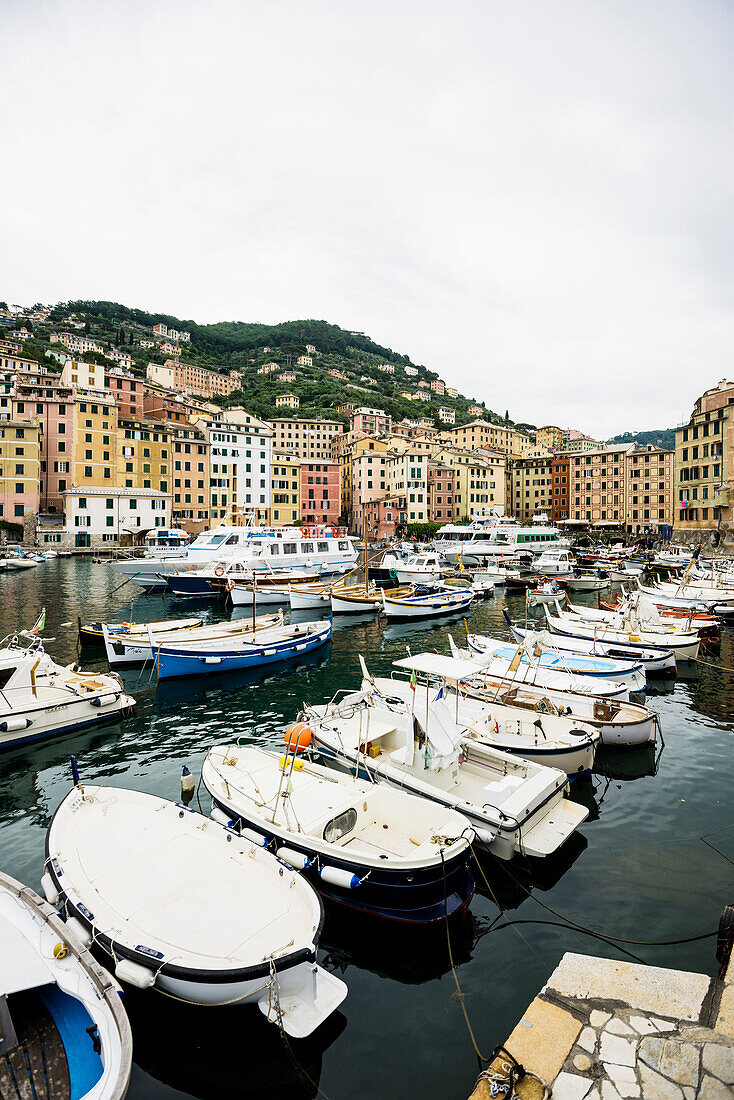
(534, 199)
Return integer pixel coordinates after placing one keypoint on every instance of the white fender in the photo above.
(338, 877)
(298, 860)
(49, 889)
(134, 974)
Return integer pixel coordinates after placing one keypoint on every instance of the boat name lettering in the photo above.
(84, 911)
(148, 951)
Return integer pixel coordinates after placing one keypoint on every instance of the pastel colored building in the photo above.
(286, 490)
(304, 438)
(287, 401)
(320, 492)
(20, 471)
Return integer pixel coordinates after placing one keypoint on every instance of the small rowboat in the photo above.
(64, 1031)
(360, 844)
(264, 647)
(629, 673)
(93, 634)
(446, 601)
(184, 905)
(354, 600)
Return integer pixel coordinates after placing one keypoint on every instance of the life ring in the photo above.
(306, 532)
(219, 571)
(334, 531)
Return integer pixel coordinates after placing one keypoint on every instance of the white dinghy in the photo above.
(186, 905)
(445, 601)
(63, 1030)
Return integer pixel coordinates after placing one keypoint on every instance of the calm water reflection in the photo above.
(636, 869)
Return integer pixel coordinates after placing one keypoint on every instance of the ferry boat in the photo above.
(495, 537)
(258, 547)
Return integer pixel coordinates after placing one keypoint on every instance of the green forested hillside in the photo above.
(659, 437)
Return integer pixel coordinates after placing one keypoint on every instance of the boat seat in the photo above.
(497, 792)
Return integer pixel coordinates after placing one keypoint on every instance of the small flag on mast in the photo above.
(39, 623)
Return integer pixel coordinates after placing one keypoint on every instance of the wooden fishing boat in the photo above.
(63, 1030)
(361, 844)
(684, 644)
(629, 673)
(184, 905)
(264, 646)
(92, 634)
(132, 649)
(548, 737)
(445, 601)
(654, 660)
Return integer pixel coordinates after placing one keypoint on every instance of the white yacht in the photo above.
(554, 563)
(496, 536)
(261, 549)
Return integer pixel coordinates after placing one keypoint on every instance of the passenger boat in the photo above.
(64, 1030)
(330, 550)
(654, 660)
(683, 644)
(444, 601)
(517, 666)
(423, 567)
(554, 563)
(513, 805)
(549, 738)
(93, 634)
(137, 648)
(40, 698)
(185, 905)
(629, 673)
(494, 537)
(361, 844)
(267, 646)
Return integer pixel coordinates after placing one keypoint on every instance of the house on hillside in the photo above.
(304, 361)
(287, 401)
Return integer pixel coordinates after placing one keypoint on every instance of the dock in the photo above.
(602, 1029)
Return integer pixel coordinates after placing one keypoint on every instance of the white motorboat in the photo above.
(328, 550)
(630, 674)
(674, 557)
(683, 644)
(137, 648)
(359, 843)
(519, 667)
(64, 1030)
(423, 567)
(15, 563)
(618, 721)
(592, 581)
(185, 905)
(498, 574)
(625, 571)
(513, 805)
(554, 563)
(40, 698)
(549, 738)
(445, 601)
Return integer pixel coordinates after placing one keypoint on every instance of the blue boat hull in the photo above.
(188, 584)
(417, 896)
(172, 662)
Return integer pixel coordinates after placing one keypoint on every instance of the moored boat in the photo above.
(444, 601)
(361, 844)
(265, 646)
(64, 1030)
(185, 905)
(92, 634)
(629, 673)
(137, 648)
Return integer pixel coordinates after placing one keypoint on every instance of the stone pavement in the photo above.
(608, 1030)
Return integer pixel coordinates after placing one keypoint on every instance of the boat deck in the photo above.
(35, 1069)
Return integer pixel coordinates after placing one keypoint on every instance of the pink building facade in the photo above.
(320, 492)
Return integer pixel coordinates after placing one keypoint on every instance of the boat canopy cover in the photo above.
(436, 719)
(433, 664)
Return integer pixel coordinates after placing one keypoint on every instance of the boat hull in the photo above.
(421, 895)
(67, 715)
(173, 661)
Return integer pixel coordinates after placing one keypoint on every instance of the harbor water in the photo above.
(653, 862)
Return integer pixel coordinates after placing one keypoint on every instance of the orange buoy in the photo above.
(297, 737)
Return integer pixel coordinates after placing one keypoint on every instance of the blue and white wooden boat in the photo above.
(444, 600)
(629, 673)
(361, 844)
(269, 646)
(63, 1030)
